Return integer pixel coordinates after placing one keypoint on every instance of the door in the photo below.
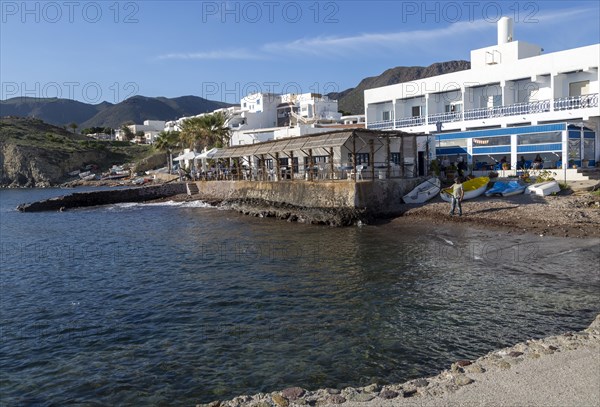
(421, 163)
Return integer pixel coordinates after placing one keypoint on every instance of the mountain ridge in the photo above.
(352, 100)
(138, 108)
(60, 112)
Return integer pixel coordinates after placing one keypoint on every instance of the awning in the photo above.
(312, 141)
(207, 154)
(187, 156)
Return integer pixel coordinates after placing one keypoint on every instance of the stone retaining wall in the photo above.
(378, 198)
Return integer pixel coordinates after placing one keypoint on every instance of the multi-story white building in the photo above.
(268, 116)
(150, 128)
(514, 102)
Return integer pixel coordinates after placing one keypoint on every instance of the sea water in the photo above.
(182, 303)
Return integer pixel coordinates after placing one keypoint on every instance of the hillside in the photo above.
(352, 100)
(60, 112)
(140, 108)
(52, 110)
(34, 153)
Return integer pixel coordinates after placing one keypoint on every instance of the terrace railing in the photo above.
(576, 102)
(540, 106)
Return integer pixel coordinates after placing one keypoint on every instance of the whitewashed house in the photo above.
(514, 102)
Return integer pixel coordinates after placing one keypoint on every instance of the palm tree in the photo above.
(127, 132)
(167, 141)
(73, 126)
(191, 132)
(209, 130)
(216, 131)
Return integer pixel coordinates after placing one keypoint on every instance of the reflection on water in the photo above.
(134, 304)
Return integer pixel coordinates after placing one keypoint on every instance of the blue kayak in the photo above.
(506, 188)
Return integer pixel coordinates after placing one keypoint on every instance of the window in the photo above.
(491, 141)
(453, 107)
(386, 115)
(245, 104)
(361, 158)
(258, 102)
(540, 138)
(416, 111)
(395, 158)
(461, 142)
(579, 88)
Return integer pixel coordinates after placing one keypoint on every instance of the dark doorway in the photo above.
(421, 163)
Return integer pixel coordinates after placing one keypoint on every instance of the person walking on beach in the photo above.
(458, 193)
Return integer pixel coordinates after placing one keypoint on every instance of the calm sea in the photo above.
(175, 304)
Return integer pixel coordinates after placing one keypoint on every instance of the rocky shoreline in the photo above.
(435, 390)
(575, 215)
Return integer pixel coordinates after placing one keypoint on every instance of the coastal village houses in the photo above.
(514, 102)
(268, 116)
(150, 128)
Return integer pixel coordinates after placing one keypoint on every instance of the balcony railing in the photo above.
(410, 121)
(540, 106)
(576, 102)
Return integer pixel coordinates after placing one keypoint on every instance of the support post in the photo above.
(372, 158)
(353, 164)
(387, 158)
(310, 165)
(331, 169)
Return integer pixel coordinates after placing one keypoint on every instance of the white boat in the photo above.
(89, 177)
(473, 188)
(543, 188)
(83, 175)
(74, 173)
(423, 192)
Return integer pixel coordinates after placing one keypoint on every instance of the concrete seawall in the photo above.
(376, 198)
(325, 202)
(94, 198)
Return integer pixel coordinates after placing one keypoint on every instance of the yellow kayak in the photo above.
(473, 188)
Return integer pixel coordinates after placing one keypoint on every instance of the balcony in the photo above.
(518, 109)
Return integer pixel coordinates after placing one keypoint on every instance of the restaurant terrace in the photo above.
(356, 154)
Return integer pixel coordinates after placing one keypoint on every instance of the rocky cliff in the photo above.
(36, 154)
(24, 166)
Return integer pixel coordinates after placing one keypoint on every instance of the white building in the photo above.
(267, 116)
(150, 128)
(514, 101)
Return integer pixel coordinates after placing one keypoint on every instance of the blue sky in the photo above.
(96, 51)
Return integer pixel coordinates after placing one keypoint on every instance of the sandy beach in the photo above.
(562, 370)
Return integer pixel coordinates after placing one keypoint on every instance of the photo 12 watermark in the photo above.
(71, 12)
(88, 92)
(468, 91)
(236, 91)
(253, 12)
(455, 11)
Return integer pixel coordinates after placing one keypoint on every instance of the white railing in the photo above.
(576, 102)
(381, 125)
(444, 117)
(540, 106)
(410, 121)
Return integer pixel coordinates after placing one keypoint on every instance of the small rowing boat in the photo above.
(473, 188)
(423, 192)
(543, 188)
(505, 188)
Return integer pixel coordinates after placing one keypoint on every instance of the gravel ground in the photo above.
(575, 215)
